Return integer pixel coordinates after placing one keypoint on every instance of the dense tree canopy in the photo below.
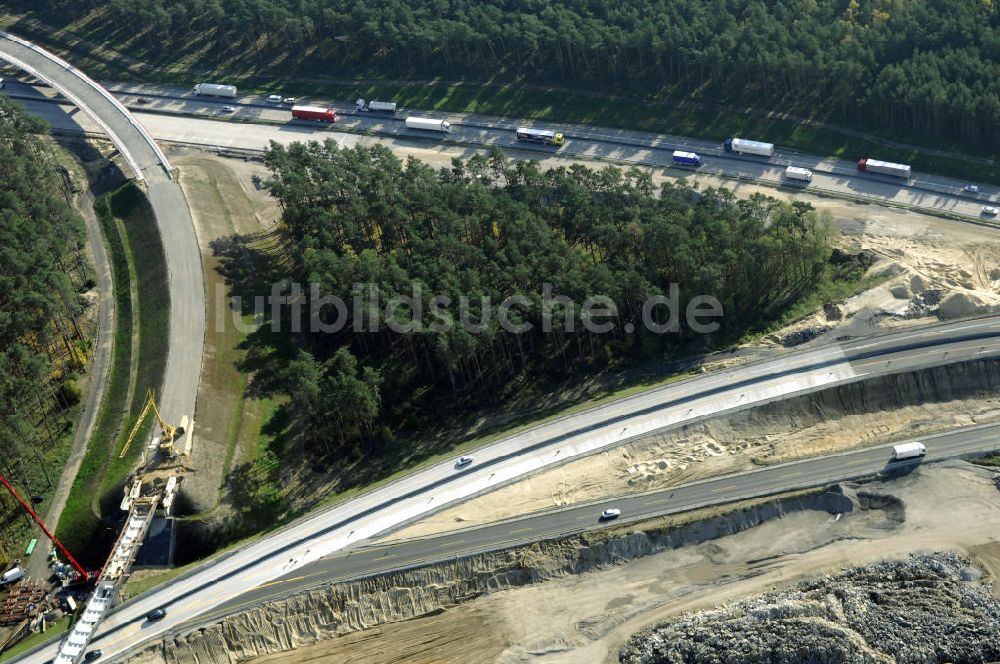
(488, 229)
(40, 242)
(929, 66)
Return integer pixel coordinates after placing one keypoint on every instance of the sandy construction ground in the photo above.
(586, 618)
(702, 451)
(223, 202)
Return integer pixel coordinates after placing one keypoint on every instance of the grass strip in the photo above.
(36, 639)
(149, 265)
(137, 257)
(78, 523)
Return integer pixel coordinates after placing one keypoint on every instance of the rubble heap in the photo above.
(929, 608)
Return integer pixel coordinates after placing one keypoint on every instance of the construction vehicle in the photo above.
(13, 575)
(167, 431)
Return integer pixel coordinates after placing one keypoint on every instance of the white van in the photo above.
(13, 575)
(274, 99)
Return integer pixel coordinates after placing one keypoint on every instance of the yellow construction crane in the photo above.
(167, 431)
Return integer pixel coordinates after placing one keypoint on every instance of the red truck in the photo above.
(314, 113)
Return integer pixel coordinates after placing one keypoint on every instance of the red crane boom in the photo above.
(84, 575)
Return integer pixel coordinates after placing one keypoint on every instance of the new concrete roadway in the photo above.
(173, 218)
(358, 520)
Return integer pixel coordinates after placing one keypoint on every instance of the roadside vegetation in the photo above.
(44, 348)
(138, 363)
(487, 228)
(35, 639)
(812, 76)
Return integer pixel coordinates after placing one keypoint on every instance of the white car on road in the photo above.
(463, 462)
(990, 211)
(609, 514)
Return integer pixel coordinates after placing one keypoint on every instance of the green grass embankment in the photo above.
(35, 639)
(137, 262)
(149, 272)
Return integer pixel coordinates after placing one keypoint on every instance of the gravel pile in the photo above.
(916, 610)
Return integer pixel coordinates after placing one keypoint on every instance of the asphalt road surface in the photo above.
(173, 218)
(180, 116)
(360, 519)
(369, 560)
(580, 139)
(109, 115)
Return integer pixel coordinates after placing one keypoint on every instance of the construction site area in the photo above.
(146, 539)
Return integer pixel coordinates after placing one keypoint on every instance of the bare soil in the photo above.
(223, 201)
(436, 639)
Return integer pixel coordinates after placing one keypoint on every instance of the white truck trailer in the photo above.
(375, 106)
(905, 451)
(796, 173)
(382, 106)
(745, 146)
(427, 124)
(884, 167)
(215, 90)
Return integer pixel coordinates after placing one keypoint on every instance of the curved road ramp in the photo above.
(187, 297)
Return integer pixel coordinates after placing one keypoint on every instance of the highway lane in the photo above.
(256, 107)
(182, 117)
(362, 518)
(377, 558)
(173, 218)
(263, 562)
(580, 139)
